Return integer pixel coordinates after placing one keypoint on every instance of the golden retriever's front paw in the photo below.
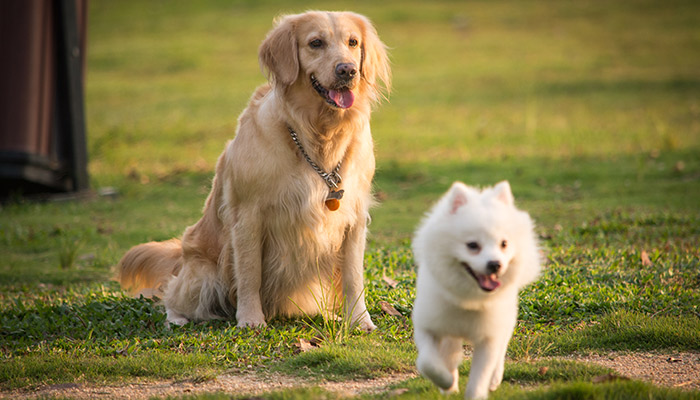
(174, 318)
(366, 324)
(251, 324)
(252, 320)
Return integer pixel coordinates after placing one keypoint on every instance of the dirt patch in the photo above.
(679, 370)
(250, 384)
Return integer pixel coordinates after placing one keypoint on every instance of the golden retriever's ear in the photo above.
(374, 67)
(278, 53)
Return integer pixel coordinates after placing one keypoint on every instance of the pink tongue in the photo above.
(343, 99)
(488, 282)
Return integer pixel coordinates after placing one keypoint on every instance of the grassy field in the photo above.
(590, 109)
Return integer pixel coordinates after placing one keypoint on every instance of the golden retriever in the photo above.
(287, 214)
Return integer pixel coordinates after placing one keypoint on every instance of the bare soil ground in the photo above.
(679, 370)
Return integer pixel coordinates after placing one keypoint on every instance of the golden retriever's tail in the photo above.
(146, 268)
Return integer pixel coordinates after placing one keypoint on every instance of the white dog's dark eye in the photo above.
(473, 246)
(316, 43)
(504, 244)
(352, 42)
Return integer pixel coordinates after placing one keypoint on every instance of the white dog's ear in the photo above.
(503, 193)
(457, 196)
(278, 53)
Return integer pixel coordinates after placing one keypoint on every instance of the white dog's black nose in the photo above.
(493, 267)
(345, 71)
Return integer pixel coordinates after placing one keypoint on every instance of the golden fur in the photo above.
(265, 236)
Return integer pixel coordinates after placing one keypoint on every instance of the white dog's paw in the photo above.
(472, 393)
(497, 377)
(495, 382)
(437, 373)
(453, 389)
(174, 318)
(455, 384)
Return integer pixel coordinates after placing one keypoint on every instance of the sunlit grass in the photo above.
(471, 83)
(590, 109)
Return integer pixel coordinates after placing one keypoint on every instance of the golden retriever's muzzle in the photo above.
(345, 72)
(340, 95)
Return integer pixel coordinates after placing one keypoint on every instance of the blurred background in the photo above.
(590, 109)
(562, 98)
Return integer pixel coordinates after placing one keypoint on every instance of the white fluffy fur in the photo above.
(450, 305)
(265, 236)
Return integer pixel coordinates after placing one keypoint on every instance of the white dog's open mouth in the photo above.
(341, 98)
(487, 282)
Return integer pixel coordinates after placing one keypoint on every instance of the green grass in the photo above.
(590, 109)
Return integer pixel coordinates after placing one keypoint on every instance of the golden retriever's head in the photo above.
(335, 55)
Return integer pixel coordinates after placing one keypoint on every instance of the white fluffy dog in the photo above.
(475, 250)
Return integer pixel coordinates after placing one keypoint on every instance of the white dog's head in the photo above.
(474, 237)
(485, 249)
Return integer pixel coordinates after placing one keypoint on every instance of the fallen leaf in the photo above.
(397, 392)
(63, 386)
(87, 257)
(543, 370)
(645, 259)
(123, 352)
(389, 309)
(391, 282)
(679, 166)
(609, 377)
(304, 345)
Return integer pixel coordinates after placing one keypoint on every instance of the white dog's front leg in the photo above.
(353, 278)
(438, 359)
(451, 353)
(247, 266)
(484, 363)
(497, 377)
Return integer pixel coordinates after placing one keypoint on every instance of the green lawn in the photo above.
(590, 109)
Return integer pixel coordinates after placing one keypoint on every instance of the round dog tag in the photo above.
(333, 199)
(332, 204)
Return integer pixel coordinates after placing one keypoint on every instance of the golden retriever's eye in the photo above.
(316, 44)
(504, 244)
(352, 42)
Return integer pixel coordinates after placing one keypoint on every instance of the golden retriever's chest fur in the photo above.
(301, 238)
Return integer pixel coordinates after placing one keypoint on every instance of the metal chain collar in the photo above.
(332, 178)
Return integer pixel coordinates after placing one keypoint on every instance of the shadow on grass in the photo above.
(630, 331)
(361, 357)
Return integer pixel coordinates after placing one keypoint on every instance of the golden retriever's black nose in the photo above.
(493, 267)
(345, 71)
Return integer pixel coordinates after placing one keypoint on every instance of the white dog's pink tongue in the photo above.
(488, 282)
(343, 98)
